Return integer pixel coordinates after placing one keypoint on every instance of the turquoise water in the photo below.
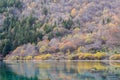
(59, 70)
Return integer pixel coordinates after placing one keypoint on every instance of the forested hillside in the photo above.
(60, 29)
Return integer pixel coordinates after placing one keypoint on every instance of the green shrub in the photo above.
(5, 4)
(67, 23)
(45, 11)
(48, 28)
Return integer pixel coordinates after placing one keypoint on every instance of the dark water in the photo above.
(64, 70)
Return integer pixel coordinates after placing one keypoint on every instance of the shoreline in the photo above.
(67, 60)
(99, 56)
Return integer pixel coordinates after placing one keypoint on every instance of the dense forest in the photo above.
(59, 30)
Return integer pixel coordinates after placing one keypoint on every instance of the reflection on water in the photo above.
(64, 70)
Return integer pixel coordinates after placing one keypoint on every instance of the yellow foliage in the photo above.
(90, 56)
(88, 38)
(76, 30)
(42, 57)
(78, 50)
(68, 52)
(103, 38)
(69, 37)
(43, 49)
(76, 36)
(115, 57)
(14, 57)
(61, 46)
(28, 58)
(84, 56)
(70, 57)
(100, 55)
(17, 58)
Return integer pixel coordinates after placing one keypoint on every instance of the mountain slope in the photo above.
(60, 27)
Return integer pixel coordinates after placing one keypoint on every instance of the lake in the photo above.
(59, 70)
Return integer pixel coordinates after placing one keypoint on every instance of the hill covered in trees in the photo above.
(60, 29)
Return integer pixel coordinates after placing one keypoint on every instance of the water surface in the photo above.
(59, 70)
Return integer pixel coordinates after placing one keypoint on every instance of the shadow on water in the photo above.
(7, 74)
(64, 70)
